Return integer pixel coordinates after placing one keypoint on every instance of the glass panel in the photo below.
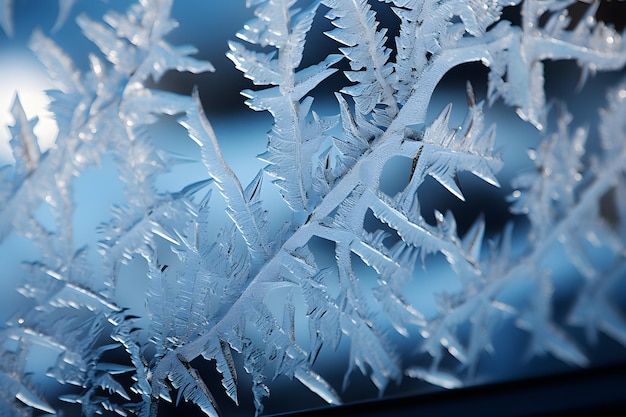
(412, 205)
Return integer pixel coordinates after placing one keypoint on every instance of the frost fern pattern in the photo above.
(218, 301)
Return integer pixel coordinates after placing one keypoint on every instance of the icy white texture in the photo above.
(219, 300)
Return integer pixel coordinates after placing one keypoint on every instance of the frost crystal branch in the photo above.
(344, 271)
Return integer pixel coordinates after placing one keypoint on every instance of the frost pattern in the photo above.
(218, 301)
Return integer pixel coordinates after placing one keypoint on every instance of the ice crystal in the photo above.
(347, 260)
